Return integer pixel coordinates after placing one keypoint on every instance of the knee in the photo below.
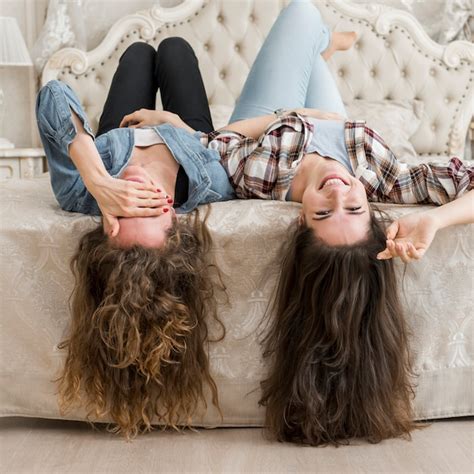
(304, 11)
(139, 50)
(174, 47)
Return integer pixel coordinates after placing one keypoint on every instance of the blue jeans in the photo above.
(289, 71)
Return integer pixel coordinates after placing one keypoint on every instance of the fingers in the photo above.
(389, 252)
(151, 211)
(132, 120)
(137, 125)
(384, 255)
(136, 187)
(415, 253)
(137, 207)
(161, 202)
(392, 230)
(402, 252)
(141, 195)
(406, 251)
(153, 199)
(126, 120)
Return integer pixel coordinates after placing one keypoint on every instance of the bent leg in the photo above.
(181, 86)
(322, 92)
(133, 86)
(281, 73)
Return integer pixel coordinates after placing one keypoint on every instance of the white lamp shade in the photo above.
(13, 50)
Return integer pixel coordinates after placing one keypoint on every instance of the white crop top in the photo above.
(147, 137)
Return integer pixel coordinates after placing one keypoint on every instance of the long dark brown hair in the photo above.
(137, 346)
(337, 345)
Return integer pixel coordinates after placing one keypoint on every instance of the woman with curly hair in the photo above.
(337, 348)
(137, 346)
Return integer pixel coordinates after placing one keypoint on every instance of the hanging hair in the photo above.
(138, 342)
(337, 346)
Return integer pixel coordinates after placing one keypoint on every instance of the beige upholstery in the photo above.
(37, 239)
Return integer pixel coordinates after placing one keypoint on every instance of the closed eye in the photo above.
(327, 214)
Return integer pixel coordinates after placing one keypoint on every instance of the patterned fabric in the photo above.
(388, 180)
(264, 168)
(246, 238)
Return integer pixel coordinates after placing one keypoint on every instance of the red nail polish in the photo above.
(170, 201)
(165, 209)
(158, 190)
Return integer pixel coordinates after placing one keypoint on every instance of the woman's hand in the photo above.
(145, 117)
(121, 198)
(410, 236)
(319, 114)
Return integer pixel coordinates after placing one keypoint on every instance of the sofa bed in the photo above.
(416, 93)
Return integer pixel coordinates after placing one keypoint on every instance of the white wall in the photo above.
(18, 84)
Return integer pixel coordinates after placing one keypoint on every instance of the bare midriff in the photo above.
(159, 163)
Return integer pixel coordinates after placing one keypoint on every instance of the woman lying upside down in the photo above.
(340, 365)
(137, 346)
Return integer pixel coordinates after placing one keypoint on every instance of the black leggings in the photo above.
(141, 71)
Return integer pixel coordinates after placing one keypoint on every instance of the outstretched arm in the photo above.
(410, 236)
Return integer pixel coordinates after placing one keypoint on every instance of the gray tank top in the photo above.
(328, 141)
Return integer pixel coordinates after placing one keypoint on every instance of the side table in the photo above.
(21, 162)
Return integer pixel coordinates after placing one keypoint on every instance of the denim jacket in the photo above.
(208, 180)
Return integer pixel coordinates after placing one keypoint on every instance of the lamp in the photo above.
(13, 52)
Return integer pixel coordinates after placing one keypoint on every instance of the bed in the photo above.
(416, 93)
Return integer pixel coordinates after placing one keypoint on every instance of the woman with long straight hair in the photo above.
(337, 348)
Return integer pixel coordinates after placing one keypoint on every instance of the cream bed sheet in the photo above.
(37, 240)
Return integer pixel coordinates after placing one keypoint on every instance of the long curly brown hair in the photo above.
(337, 345)
(137, 346)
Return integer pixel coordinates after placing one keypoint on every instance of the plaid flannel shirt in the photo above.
(264, 168)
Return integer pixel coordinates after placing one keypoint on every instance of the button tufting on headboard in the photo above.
(392, 58)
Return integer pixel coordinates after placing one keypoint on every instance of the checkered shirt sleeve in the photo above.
(388, 180)
(263, 168)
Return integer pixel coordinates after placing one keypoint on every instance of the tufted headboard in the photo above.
(393, 58)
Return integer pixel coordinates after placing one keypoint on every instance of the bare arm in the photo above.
(410, 236)
(459, 211)
(255, 127)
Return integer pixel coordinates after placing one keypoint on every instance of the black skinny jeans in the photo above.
(173, 69)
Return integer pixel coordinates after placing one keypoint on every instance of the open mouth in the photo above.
(333, 180)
